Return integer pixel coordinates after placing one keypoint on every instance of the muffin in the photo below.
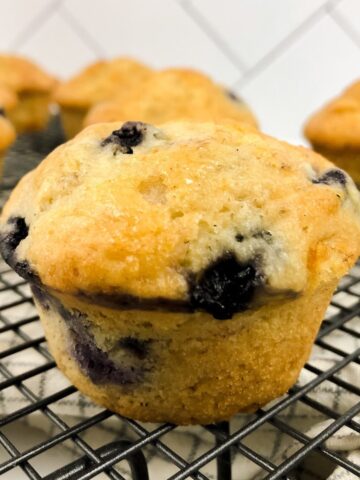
(32, 88)
(98, 82)
(334, 131)
(182, 271)
(7, 136)
(8, 100)
(174, 94)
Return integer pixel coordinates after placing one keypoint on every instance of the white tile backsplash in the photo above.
(158, 31)
(286, 57)
(252, 28)
(16, 16)
(349, 10)
(315, 68)
(58, 47)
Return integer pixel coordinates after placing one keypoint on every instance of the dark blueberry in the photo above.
(225, 287)
(332, 176)
(9, 242)
(139, 348)
(114, 140)
(264, 235)
(98, 366)
(94, 361)
(23, 269)
(129, 135)
(41, 296)
(2, 112)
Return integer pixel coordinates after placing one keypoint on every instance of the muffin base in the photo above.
(72, 120)
(198, 370)
(346, 159)
(32, 112)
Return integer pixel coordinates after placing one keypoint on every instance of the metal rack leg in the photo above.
(223, 461)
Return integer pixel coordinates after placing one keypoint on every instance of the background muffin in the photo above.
(7, 136)
(334, 131)
(170, 95)
(98, 82)
(32, 87)
(181, 272)
(8, 100)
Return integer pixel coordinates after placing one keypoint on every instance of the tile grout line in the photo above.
(287, 42)
(81, 31)
(32, 27)
(211, 33)
(346, 27)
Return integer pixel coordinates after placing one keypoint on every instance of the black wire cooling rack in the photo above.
(106, 445)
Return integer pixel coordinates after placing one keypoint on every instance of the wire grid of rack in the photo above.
(228, 445)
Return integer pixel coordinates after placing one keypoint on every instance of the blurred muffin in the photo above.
(98, 82)
(7, 136)
(8, 100)
(31, 90)
(334, 131)
(170, 95)
(181, 272)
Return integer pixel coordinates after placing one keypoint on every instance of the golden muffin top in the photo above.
(21, 75)
(173, 94)
(101, 81)
(337, 125)
(179, 212)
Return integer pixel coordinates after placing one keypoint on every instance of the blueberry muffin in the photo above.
(334, 131)
(181, 271)
(32, 88)
(173, 94)
(7, 136)
(98, 82)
